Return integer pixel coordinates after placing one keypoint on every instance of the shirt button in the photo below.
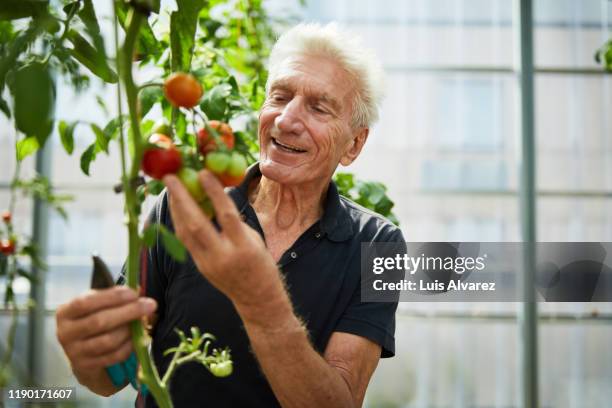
(293, 254)
(318, 235)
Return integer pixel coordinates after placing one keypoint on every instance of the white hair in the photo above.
(348, 51)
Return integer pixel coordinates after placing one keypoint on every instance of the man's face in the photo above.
(304, 124)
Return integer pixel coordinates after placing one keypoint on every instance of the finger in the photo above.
(226, 212)
(94, 300)
(190, 223)
(108, 319)
(104, 343)
(118, 356)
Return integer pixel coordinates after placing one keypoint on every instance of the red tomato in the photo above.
(157, 162)
(183, 90)
(7, 246)
(207, 142)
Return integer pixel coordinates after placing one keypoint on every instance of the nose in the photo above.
(290, 119)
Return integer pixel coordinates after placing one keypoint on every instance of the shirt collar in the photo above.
(336, 223)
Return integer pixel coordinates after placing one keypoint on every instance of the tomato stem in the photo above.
(147, 374)
(150, 85)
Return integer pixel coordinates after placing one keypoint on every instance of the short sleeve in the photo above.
(157, 260)
(373, 320)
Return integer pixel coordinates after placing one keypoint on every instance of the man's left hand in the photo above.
(235, 260)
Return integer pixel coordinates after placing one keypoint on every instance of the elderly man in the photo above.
(279, 280)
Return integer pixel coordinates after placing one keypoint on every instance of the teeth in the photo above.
(295, 149)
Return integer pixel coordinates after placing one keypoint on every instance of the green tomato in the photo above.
(217, 162)
(237, 165)
(189, 177)
(222, 369)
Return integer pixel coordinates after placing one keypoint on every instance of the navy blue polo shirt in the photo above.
(322, 274)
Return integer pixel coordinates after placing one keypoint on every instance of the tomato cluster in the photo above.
(215, 142)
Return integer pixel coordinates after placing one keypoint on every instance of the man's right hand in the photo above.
(93, 330)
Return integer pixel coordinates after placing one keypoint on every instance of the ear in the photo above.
(354, 148)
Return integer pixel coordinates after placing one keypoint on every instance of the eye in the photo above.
(319, 109)
(276, 97)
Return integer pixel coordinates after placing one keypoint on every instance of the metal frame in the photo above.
(36, 318)
(528, 315)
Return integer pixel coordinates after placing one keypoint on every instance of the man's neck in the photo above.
(285, 208)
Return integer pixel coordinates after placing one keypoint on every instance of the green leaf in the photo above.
(66, 132)
(171, 243)
(102, 138)
(147, 5)
(87, 157)
(148, 97)
(147, 43)
(112, 127)
(155, 187)
(5, 108)
(149, 235)
(88, 17)
(9, 296)
(91, 58)
(33, 91)
(375, 193)
(214, 103)
(14, 9)
(3, 264)
(183, 24)
(102, 104)
(26, 147)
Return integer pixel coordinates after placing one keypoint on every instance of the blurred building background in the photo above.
(448, 148)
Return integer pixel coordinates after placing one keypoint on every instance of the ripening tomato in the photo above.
(230, 181)
(217, 162)
(161, 140)
(7, 246)
(207, 142)
(183, 90)
(6, 217)
(161, 159)
(237, 165)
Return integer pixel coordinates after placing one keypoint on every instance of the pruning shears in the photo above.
(101, 278)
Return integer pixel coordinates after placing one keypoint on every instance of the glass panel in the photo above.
(442, 364)
(567, 32)
(423, 32)
(575, 366)
(95, 225)
(562, 219)
(573, 127)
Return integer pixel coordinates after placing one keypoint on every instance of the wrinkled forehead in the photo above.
(315, 76)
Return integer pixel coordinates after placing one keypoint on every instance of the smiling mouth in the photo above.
(287, 148)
